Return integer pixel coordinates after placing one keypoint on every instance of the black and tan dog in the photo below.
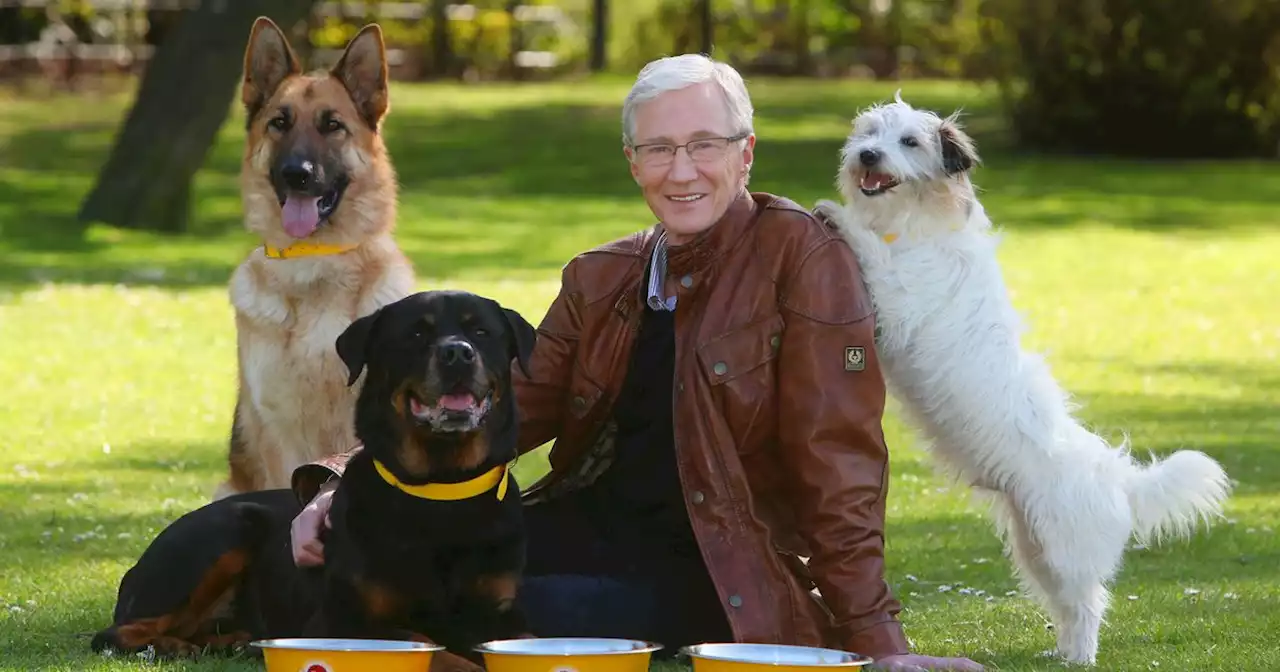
(427, 539)
(319, 191)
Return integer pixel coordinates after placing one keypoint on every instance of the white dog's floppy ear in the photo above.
(958, 152)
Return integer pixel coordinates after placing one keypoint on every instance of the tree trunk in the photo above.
(514, 71)
(893, 40)
(599, 35)
(441, 44)
(804, 65)
(704, 10)
(182, 102)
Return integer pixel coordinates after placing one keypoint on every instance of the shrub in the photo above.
(1150, 78)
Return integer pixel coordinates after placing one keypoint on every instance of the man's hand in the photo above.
(914, 663)
(305, 531)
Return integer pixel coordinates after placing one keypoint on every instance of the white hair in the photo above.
(678, 72)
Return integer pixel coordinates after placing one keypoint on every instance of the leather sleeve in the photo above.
(831, 403)
(541, 396)
(308, 478)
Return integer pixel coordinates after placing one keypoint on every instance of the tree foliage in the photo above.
(1151, 78)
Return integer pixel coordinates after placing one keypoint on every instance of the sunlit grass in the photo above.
(1151, 287)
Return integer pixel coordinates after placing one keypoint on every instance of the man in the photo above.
(714, 396)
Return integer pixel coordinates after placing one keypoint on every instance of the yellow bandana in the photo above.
(305, 249)
(451, 491)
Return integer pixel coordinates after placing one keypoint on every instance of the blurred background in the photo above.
(1143, 78)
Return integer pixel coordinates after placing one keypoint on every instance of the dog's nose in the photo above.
(457, 352)
(868, 157)
(298, 174)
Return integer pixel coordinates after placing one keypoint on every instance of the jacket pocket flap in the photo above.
(583, 395)
(734, 353)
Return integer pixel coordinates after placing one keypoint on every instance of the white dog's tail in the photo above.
(1168, 497)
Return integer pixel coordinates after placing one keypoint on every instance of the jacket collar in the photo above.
(697, 254)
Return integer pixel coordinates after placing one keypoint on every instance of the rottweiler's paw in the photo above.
(173, 647)
(231, 640)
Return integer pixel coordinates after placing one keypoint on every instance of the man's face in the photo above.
(690, 188)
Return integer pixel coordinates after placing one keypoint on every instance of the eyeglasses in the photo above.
(702, 150)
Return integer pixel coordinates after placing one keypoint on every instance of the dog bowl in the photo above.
(774, 657)
(345, 655)
(567, 654)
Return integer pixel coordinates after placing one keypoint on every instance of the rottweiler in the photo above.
(427, 534)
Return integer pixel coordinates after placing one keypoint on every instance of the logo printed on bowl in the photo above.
(319, 666)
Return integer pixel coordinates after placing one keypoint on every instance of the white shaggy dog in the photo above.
(1065, 501)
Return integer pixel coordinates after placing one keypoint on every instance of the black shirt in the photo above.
(638, 500)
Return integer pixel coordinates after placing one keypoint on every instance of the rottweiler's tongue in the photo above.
(458, 402)
(301, 215)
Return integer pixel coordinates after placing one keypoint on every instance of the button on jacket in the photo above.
(778, 401)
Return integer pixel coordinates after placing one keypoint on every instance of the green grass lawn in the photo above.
(1151, 287)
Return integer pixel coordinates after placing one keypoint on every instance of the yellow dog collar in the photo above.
(451, 491)
(890, 237)
(305, 249)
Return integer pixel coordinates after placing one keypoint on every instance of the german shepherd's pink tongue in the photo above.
(301, 215)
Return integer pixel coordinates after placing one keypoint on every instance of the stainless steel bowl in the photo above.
(568, 646)
(334, 644)
(776, 654)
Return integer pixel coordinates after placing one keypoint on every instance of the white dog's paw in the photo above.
(830, 212)
(866, 245)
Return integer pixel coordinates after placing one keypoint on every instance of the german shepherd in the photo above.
(320, 192)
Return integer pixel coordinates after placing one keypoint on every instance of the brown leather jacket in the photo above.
(778, 407)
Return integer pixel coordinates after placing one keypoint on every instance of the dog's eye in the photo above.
(279, 123)
(331, 125)
(481, 331)
(909, 141)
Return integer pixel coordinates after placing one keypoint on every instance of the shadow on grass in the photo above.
(61, 640)
(48, 537)
(1239, 428)
(527, 187)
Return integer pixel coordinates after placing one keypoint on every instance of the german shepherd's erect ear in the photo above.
(268, 61)
(363, 70)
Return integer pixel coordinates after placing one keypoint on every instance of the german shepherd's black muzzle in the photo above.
(309, 186)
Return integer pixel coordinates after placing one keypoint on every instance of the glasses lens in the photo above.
(707, 150)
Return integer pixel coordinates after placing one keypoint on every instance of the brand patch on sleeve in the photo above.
(855, 358)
